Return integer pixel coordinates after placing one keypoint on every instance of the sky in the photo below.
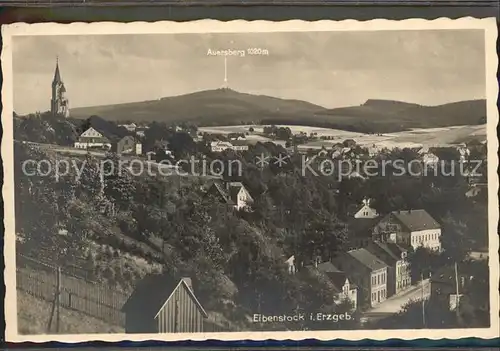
(331, 69)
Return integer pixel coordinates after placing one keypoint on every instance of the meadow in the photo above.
(417, 137)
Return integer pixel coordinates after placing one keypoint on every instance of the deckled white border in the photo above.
(212, 26)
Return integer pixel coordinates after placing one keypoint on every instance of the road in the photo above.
(395, 303)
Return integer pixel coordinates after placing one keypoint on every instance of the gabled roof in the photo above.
(415, 220)
(239, 142)
(382, 251)
(361, 227)
(337, 277)
(153, 292)
(106, 128)
(367, 259)
(229, 191)
(57, 74)
(219, 189)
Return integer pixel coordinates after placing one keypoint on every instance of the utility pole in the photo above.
(423, 299)
(58, 297)
(457, 292)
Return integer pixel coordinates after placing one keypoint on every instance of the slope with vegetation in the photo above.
(228, 107)
(125, 227)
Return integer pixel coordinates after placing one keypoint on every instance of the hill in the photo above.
(229, 107)
(409, 115)
(208, 107)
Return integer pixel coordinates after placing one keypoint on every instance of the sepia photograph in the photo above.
(250, 180)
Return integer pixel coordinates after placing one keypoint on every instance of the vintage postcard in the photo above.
(250, 180)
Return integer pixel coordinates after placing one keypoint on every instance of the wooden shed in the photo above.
(163, 305)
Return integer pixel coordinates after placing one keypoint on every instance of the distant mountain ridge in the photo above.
(229, 107)
(209, 105)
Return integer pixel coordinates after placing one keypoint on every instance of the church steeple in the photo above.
(59, 104)
(57, 75)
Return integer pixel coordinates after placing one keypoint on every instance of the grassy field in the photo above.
(412, 138)
(34, 314)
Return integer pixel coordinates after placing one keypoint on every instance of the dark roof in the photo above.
(416, 220)
(108, 129)
(361, 227)
(239, 142)
(153, 292)
(367, 259)
(327, 267)
(382, 251)
(446, 276)
(336, 276)
(229, 191)
(218, 189)
(57, 75)
(396, 249)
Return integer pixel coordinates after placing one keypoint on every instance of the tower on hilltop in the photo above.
(59, 104)
(225, 85)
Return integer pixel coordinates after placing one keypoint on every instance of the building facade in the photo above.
(414, 228)
(232, 193)
(343, 288)
(236, 145)
(158, 305)
(368, 272)
(365, 211)
(101, 134)
(398, 268)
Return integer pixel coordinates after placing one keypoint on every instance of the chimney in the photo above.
(188, 282)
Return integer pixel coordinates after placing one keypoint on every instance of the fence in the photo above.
(44, 281)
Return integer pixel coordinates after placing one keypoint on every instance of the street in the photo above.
(395, 303)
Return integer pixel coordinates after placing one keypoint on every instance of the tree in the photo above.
(455, 240)
(118, 183)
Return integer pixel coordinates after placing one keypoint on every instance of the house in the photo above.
(398, 267)
(130, 127)
(141, 131)
(349, 143)
(231, 193)
(360, 232)
(344, 289)
(444, 285)
(365, 211)
(161, 304)
(96, 132)
(368, 272)
(463, 151)
(430, 159)
(235, 145)
(412, 227)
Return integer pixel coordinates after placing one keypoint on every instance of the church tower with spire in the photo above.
(59, 104)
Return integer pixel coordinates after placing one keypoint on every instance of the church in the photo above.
(59, 104)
